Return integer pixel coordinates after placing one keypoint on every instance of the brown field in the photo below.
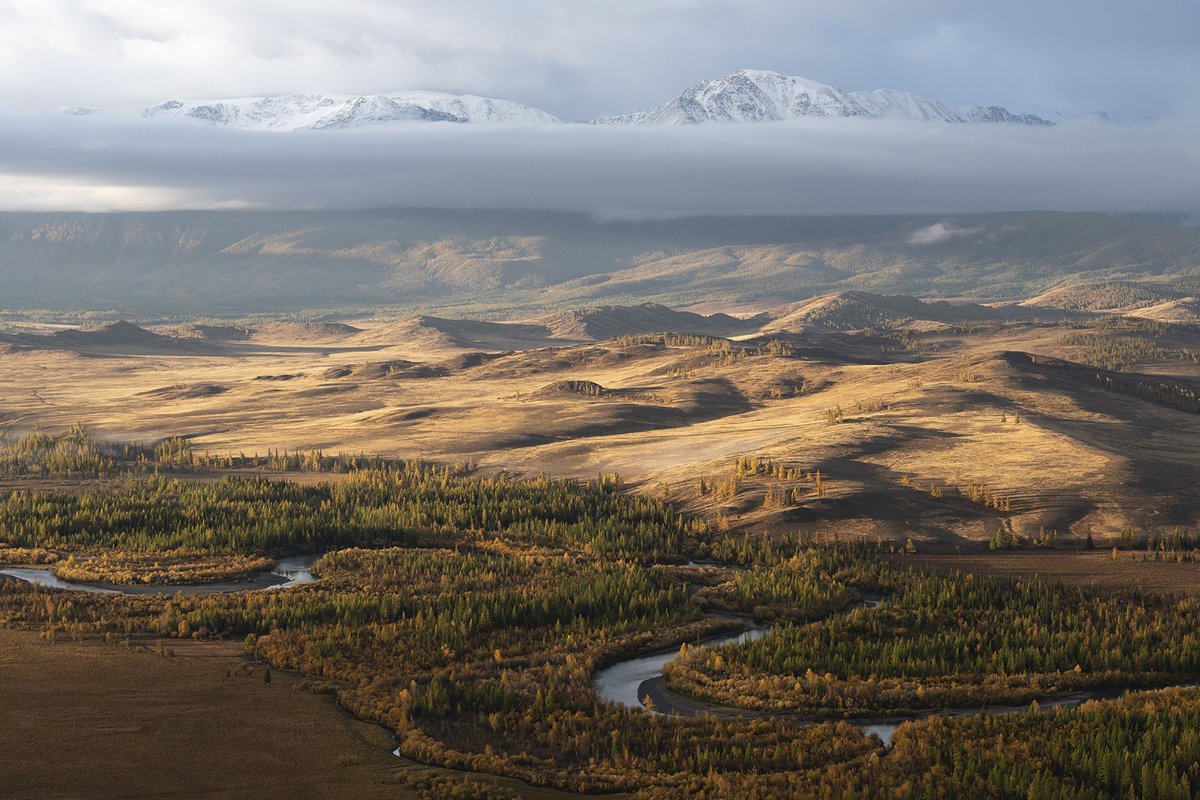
(93, 720)
(90, 720)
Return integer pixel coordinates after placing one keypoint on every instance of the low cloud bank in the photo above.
(939, 232)
(60, 162)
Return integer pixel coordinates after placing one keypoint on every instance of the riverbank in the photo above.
(288, 572)
(640, 682)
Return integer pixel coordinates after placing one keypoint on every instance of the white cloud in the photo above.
(939, 232)
(47, 193)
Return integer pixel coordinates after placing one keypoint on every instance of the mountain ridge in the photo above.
(744, 95)
(751, 95)
(294, 112)
(527, 263)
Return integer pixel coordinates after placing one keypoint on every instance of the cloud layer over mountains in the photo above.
(59, 162)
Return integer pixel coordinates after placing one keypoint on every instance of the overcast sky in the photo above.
(584, 58)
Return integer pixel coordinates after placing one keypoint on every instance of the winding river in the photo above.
(625, 682)
(628, 681)
(288, 572)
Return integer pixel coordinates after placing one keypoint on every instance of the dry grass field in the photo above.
(926, 404)
(90, 720)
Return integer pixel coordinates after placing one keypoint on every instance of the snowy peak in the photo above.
(746, 95)
(321, 111)
(751, 95)
(1001, 114)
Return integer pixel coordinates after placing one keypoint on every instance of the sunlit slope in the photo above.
(901, 420)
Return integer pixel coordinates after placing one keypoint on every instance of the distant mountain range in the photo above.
(326, 111)
(746, 95)
(513, 264)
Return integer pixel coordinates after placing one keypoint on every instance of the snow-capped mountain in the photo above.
(747, 95)
(324, 111)
(751, 95)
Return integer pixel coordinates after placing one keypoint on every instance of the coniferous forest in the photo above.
(470, 614)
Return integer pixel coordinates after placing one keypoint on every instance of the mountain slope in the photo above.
(114, 338)
(436, 334)
(564, 327)
(1122, 296)
(843, 311)
(1185, 311)
(333, 111)
(522, 264)
(749, 95)
(607, 322)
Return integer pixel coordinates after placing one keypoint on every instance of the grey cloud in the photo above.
(818, 167)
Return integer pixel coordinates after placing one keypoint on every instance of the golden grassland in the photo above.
(942, 433)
